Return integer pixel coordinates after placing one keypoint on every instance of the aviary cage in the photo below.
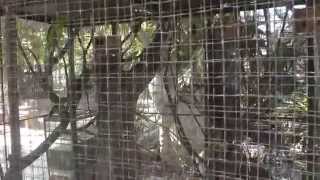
(160, 89)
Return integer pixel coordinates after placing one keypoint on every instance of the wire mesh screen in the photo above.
(160, 89)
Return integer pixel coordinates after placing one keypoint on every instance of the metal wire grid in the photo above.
(160, 89)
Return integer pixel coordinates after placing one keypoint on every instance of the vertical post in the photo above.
(109, 118)
(10, 49)
(3, 116)
(316, 101)
(313, 83)
(214, 104)
(72, 103)
(311, 109)
(224, 126)
(102, 168)
(116, 154)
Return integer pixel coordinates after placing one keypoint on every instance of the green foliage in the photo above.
(300, 102)
(295, 104)
(55, 34)
(146, 34)
(32, 38)
(188, 50)
(135, 45)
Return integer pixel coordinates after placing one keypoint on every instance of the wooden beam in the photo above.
(80, 12)
(10, 51)
(109, 117)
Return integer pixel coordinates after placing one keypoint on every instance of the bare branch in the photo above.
(67, 46)
(182, 135)
(36, 58)
(284, 21)
(53, 60)
(85, 49)
(56, 133)
(25, 56)
(157, 124)
(135, 29)
(91, 38)
(45, 145)
(42, 148)
(193, 115)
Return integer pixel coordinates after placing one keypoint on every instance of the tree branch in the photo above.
(134, 32)
(193, 115)
(56, 133)
(53, 96)
(68, 44)
(136, 28)
(42, 148)
(45, 145)
(182, 135)
(33, 54)
(151, 61)
(53, 60)
(29, 64)
(282, 31)
(85, 49)
(36, 58)
(176, 136)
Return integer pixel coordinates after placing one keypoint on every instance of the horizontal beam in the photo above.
(89, 12)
